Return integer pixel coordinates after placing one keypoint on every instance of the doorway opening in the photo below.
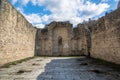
(60, 45)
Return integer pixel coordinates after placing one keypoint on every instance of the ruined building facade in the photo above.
(61, 39)
(98, 39)
(19, 39)
(54, 40)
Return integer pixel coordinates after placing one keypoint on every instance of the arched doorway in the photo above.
(60, 45)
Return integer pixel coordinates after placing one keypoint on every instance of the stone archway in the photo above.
(60, 45)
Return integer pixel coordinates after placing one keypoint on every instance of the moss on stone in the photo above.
(16, 62)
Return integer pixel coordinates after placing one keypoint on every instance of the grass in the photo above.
(16, 62)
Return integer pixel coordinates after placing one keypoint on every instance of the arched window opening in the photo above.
(60, 45)
(60, 41)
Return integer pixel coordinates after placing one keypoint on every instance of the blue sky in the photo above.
(42, 12)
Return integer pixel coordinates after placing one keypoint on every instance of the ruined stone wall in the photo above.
(79, 40)
(61, 38)
(106, 38)
(74, 42)
(43, 43)
(74, 48)
(60, 32)
(82, 40)
(17, 35)
(55, 39)
(38, 43)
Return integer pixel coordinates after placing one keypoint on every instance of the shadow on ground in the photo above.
(78, 69)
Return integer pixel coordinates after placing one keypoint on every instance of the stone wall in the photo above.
(106, 38)
(79, 40)
(43, 43)
(17, 35)
(54, 40)
(82, 39)
(98, 39)
(61, 38)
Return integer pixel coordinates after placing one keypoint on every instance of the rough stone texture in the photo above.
(17, 35)
(106, 38)
(54, 40)
(79, 40)
(59, 68)
(98, 39)
(61, 39)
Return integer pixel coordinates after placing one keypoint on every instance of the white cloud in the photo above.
(45, 18)
(25, 2)
(20, 9)
(104, 0)
(39, 25)
(14, 1)
(33, 18)
(74, 11)
(34, 2)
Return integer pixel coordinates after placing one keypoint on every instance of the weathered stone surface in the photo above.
(61, 39)
(98, 39)
(106, 38)
(54, 40)
(17, 35)
(79, 40)
(59, 68)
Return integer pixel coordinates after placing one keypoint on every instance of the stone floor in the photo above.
(59, 68)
